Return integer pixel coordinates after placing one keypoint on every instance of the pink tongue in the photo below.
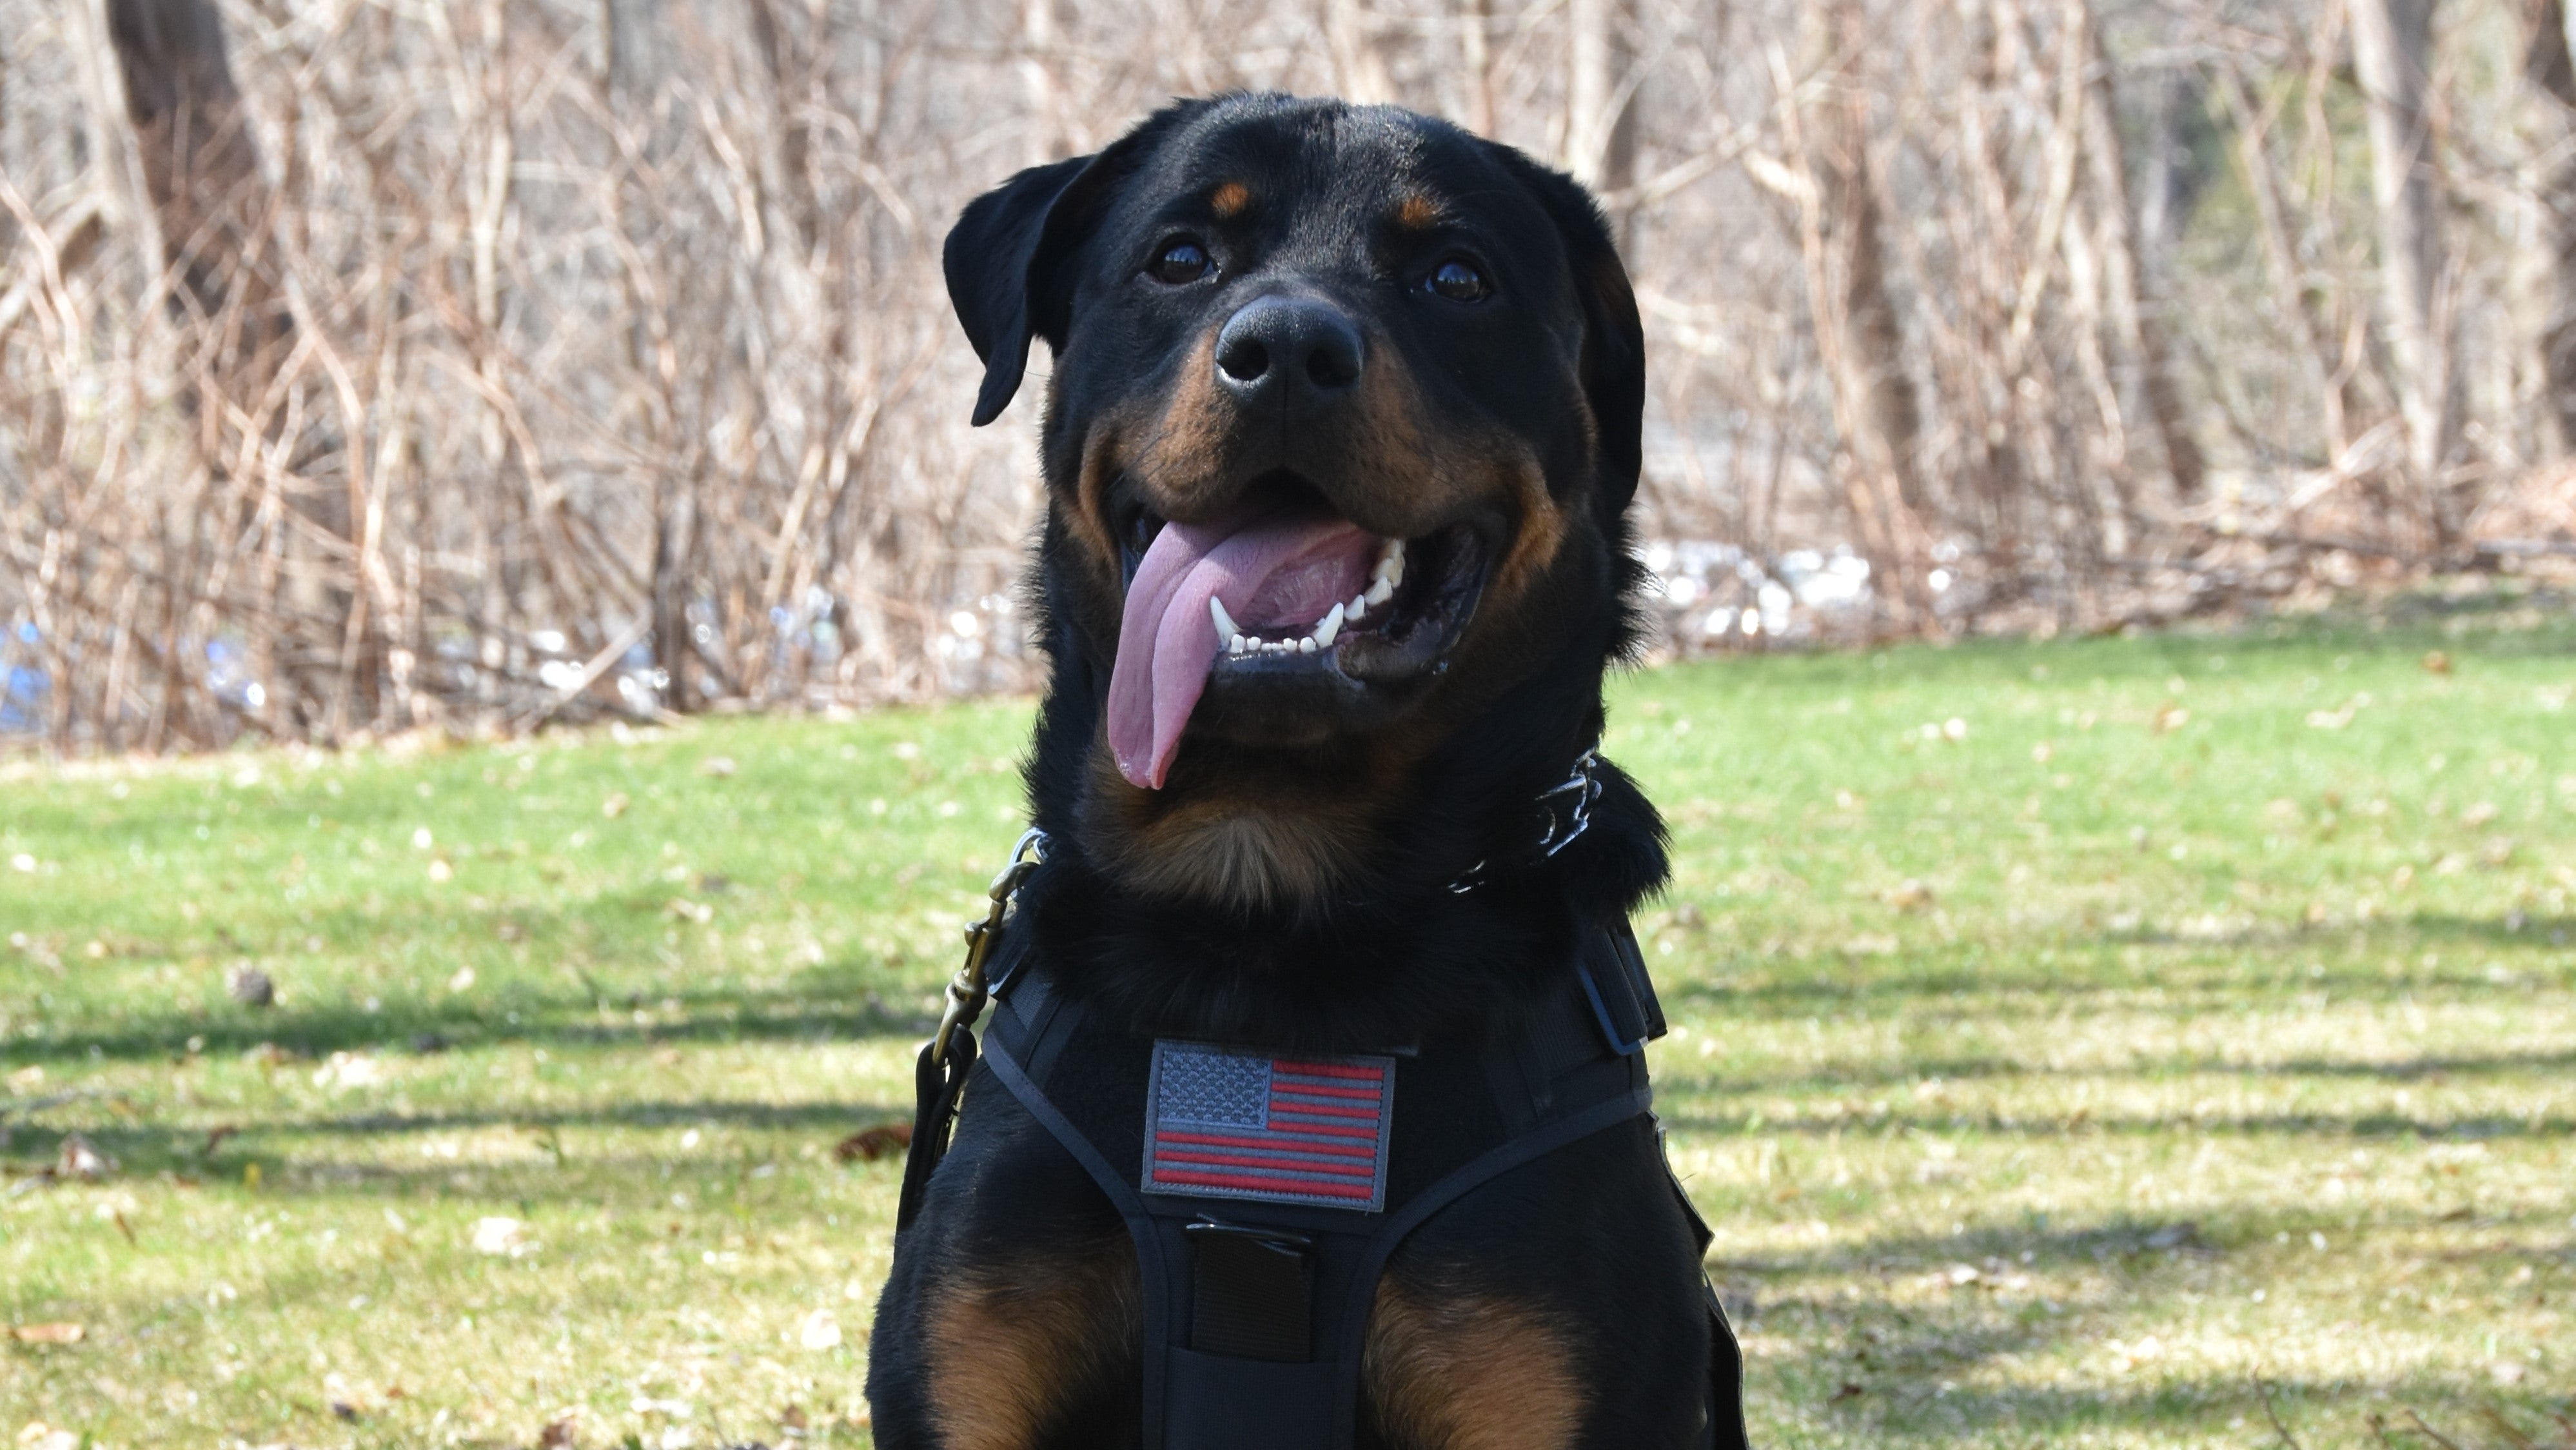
(1167, 640)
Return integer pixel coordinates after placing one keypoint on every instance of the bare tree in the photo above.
(2549, 78)
(1875, 406)
(2392, 51)
(482, 364)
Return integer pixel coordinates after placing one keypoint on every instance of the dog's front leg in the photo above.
(1014, 1315)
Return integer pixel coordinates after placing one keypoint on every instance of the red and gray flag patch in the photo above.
(1228, 1124)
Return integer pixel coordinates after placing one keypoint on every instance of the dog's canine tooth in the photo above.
(1332, 626)
(1225, 625)
(1381, 591)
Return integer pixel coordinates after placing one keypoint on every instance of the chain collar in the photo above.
(1567, 811)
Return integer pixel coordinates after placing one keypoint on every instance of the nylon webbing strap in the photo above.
(1251, 1293)
(936, 1085)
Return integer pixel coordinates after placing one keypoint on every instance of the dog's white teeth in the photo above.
(1226, 628)
(1381, 591)
(1329, 629)
(1358, 608)
(1236, 645)
(1390, 564)
(1307, 645)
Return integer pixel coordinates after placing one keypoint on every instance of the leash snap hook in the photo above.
(968, 991)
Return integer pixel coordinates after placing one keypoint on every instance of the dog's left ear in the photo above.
(1614, 340)
(1004, 258)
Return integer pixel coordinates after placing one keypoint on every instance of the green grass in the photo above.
(2056, 1078)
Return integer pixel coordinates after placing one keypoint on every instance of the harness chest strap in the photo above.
(1260, 1236)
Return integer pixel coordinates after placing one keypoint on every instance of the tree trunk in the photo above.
(1601, 103)
(2135, 304)
(201, 171)
(2550, 76)
(2392, 50)
(1875, 405)
(1358, 41)
(1476, 57)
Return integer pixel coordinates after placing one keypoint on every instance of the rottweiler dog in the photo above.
(1342, 428)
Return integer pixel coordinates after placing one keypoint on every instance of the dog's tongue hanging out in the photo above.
(1276, 574)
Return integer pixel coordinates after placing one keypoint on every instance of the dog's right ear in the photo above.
(1003, 256)
(991, 259)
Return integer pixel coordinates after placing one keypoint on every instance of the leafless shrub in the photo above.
(366, 367)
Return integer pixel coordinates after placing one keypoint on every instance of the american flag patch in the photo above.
(1279, 1129)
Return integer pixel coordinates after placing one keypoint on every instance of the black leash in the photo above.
(939, 1074)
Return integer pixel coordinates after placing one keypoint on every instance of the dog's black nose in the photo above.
(1300, 349)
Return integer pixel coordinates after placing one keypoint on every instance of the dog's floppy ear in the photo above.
(1614, 340)
(1003, 257)
(989, 258)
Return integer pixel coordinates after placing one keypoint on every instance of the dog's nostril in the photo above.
(1243, 358)
(1331, 366)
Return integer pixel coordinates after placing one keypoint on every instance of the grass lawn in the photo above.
(2122, 1042)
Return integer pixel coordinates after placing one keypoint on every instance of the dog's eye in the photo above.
(1181, 262)
(1458, 280)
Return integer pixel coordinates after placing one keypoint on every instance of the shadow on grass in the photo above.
(2469, 1128)
(149, 1148)
(1682, 1074)
(546, 1020)
(1871, 1369)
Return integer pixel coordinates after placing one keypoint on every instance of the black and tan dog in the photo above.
(1313, 1110)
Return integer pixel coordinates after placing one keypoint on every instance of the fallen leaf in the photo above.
(83, 1161)
(820, 1331)
(870, 1144)
(1909, 895)
(718, 766)
(348, 1070)
(2436, 662)
(57, 1333)
(614, 806)
(2170, 716)
(501, 1236)
(558, 1433)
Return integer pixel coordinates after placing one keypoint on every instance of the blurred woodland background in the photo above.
(370, 365)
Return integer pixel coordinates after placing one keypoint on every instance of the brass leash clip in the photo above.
(967, 991)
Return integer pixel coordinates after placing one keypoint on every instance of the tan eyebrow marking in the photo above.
(1418, 214)
(1229, 200)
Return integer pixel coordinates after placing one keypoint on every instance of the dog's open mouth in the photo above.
(1282, 592)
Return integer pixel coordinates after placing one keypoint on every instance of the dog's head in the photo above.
(1343, 420)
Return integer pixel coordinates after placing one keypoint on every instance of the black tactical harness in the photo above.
(1258, 1277)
